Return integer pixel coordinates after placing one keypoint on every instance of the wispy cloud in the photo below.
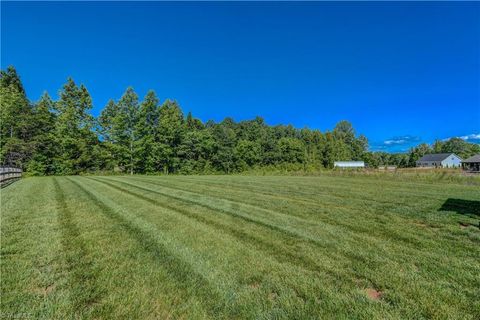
(474, 137)
(396, 144)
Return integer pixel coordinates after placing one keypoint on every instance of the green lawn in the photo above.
(239, 247)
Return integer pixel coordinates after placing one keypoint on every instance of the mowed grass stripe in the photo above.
(309, 210)
(334, 226)
(393, 228)
(298, 292)
(29, 265)
(313, 208)
(365, 260)
(140, 287)
(330, 190)
(384, 224)
(294, 290)
(255, 272)
(181, 272)
(213, 212)
(311, 185)
(84, 292)
(246, 207)
(266, 220)
(281, 248)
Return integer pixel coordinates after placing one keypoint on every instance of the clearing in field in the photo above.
(239, 247)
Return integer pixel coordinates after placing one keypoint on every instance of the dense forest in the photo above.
(132, 136)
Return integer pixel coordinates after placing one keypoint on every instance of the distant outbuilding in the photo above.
(390, 168)
(472, 164)
(439, 160)
(349, 164)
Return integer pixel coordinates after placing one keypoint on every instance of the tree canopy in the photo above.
(132, 136)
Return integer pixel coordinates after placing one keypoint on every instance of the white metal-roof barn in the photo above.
(349, 164)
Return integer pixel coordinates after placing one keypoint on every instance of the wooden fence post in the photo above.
(9, 175)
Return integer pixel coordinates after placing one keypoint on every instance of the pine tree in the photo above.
(44, 137)
(73, 130)
(105, 122)
(10, 78)
(124, 124)
(15, 120)
(145, 129)
(105, 130)
(169, 135)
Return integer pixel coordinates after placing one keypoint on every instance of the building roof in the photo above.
(436, 156)
(475, 158)
(349, 162)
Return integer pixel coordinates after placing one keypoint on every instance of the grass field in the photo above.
(240, 247)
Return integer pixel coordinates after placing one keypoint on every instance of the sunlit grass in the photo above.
(240, 247)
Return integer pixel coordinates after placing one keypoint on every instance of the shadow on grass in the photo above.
(466, 207)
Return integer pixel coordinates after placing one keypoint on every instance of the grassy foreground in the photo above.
(239, 247)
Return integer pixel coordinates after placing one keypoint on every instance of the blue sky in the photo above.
(402, 72)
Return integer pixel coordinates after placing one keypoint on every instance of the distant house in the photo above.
(349, 164)
(472, 163)
(439, 160)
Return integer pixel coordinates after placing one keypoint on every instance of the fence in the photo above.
(9, 175)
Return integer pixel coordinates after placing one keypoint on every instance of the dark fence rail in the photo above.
(9, 174)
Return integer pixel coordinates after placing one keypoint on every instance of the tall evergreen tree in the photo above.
(10, 78)
(73, 130)
(145, 132)
(44, 137)
(193, 123)
(125, 123)
(170, 131)
(105, 121)
(15, 120)
(106, 131)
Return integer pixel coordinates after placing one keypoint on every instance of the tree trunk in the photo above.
(131, 156)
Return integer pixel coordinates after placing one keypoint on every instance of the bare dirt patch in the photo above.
(44, 291)
(463, 225)
(373, 293)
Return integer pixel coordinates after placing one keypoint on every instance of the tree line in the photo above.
(148, 136)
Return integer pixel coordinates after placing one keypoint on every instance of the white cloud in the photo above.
(395, 144)
(400, 140)
(473, 136)
(390, 142)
